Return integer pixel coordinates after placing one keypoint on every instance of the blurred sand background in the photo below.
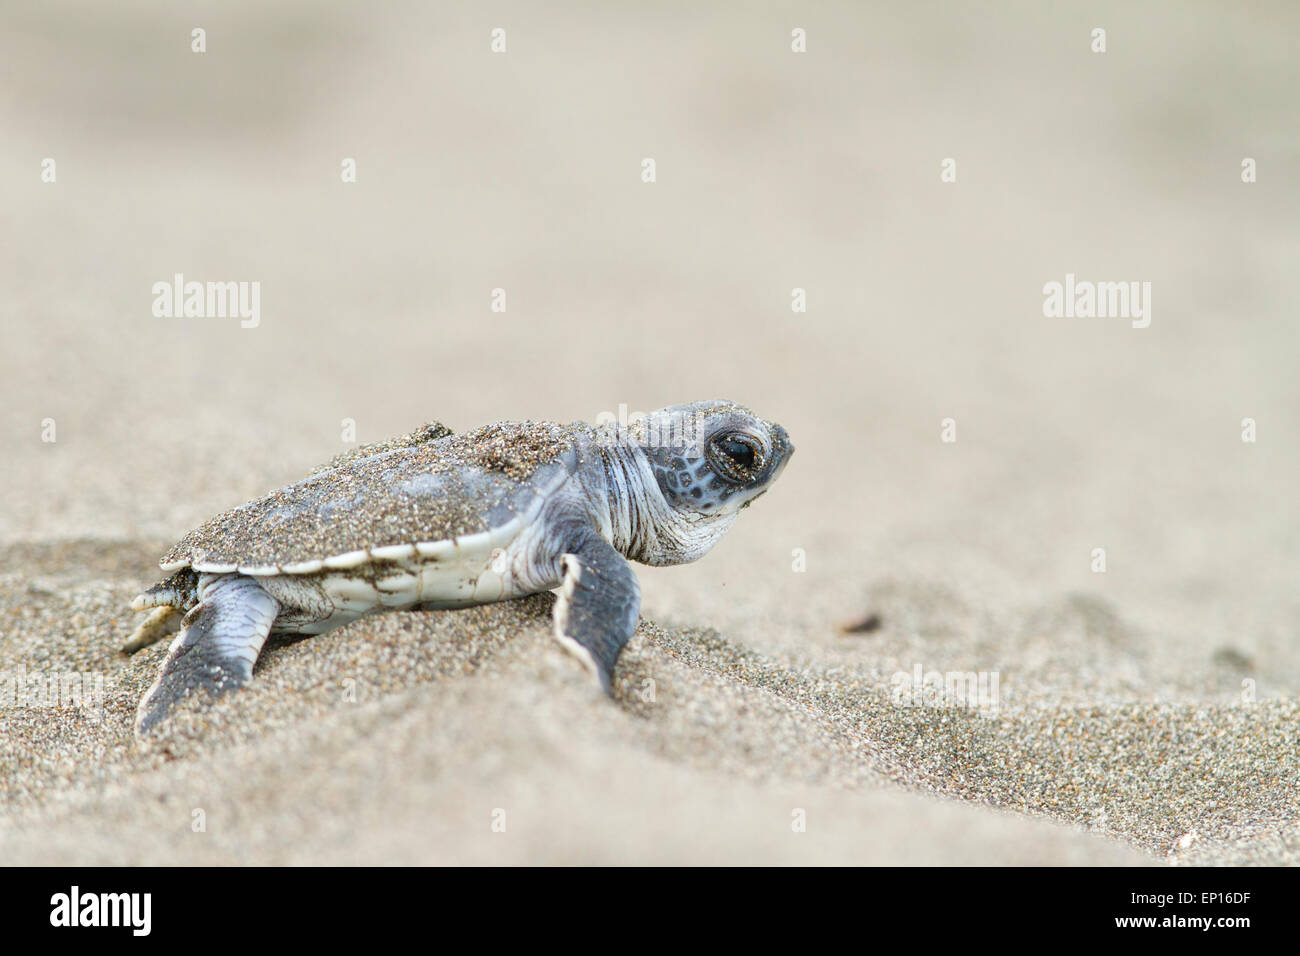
(1122, 735)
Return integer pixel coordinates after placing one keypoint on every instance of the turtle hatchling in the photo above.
(441, 520)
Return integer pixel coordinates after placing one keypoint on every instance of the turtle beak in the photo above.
(781, 452)
(781, 447)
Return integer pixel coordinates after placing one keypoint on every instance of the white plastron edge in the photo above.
(572, 572)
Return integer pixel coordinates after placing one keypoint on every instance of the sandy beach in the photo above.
(963, 458)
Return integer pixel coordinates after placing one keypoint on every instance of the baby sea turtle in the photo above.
(439, 520)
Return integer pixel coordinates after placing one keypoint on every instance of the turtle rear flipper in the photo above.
(599, 605)
(160, 622)
(177, 593)
(218, 644)
(180, 591)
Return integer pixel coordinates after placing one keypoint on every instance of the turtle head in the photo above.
(710, 459)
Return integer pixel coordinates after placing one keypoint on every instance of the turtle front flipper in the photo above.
(218, 644)
(599, 604)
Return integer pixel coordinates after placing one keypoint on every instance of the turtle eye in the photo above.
(742, 453)
(735, 457)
